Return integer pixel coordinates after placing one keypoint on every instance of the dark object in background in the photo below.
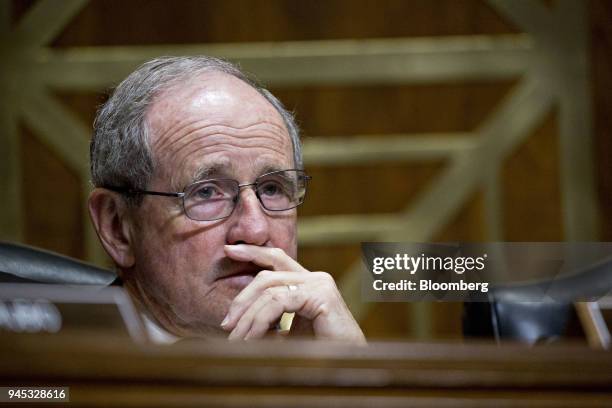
(532, 321)
(528, 322)
(21, 263)
(45, 292)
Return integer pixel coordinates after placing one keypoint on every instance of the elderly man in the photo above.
(198, 173)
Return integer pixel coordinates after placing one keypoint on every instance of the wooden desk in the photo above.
(112, 372)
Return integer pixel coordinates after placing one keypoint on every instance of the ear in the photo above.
(110, 216)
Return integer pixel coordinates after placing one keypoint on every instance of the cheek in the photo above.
(202, 248)
(284, 235)
(177, 250)
(194, 249)
(176, 269)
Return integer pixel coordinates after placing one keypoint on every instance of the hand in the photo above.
(285, 288)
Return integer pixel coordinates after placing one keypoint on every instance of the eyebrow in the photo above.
(270, 169)
(222, 170)
(203, 172)
(212, 171)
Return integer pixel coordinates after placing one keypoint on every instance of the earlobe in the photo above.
(108, 212)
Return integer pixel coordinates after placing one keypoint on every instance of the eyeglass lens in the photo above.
(215, 199)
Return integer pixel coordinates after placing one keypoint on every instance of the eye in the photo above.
(271, 189)
(208, 192)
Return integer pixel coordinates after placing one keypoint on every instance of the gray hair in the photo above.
(120, 152)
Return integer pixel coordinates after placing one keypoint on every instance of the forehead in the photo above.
(216, 120)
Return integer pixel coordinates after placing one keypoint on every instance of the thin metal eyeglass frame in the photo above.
(183, 194)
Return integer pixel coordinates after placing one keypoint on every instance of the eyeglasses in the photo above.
(215, 199)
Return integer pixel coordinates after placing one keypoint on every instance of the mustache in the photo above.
(227, 267)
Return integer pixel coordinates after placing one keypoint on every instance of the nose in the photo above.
(249, 222)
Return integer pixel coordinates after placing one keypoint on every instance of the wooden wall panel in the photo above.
(53, 200)
(531, 190)
(401, 108)
(531, 197)
(383, 188)
(468, 224)
(116, 22)
(601, 69)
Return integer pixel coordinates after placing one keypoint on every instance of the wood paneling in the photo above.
(531, 190)
(384, 188)
(53, 200)
(530, 178)
(107, 372)
(116, 22)
(468, 225)
(378, 109)
(601, 69)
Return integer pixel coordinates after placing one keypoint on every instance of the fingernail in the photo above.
(225, 321)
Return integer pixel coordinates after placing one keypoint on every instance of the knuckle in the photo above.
(326, 278)
(264, 277)
(295, 296)
(269, 293)
(277, 252)
(264, 273)
(278, 295)
(273, 294)
(326, 285)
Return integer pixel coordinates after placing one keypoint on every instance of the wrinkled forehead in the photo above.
(209, 109)
(212, 98)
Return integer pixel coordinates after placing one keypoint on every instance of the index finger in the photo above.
(274, 259)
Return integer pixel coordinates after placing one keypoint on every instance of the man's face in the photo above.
(214, 126)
